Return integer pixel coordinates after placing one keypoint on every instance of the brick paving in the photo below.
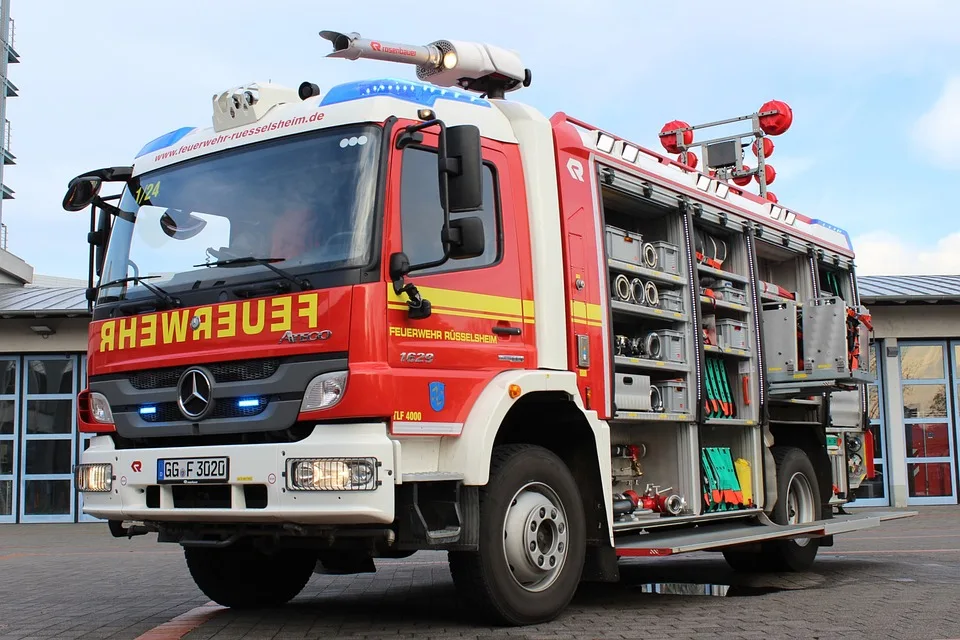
(901, 580)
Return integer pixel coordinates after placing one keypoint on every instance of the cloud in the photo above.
(882, 253)
(937, 131)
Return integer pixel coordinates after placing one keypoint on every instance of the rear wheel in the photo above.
(246, 578)
(532, 539)
(798, 502)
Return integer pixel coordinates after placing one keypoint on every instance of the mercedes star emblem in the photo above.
(193, 394)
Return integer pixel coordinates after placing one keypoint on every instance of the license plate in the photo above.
(191, 470)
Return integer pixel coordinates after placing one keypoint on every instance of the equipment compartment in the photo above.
(730, 465)
(650, 304)
(650, 459)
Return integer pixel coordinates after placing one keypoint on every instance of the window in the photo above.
(421, 217)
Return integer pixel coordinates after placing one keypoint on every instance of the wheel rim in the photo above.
(535, 534)
(801, 503)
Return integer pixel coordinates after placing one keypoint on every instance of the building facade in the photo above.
(43, 333)
(915, 407)
(7, 90)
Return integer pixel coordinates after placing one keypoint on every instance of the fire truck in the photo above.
(393, 315)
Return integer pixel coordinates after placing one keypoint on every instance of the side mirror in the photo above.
(81, 192)
(177, 224)
(466, 238)
(465, 180)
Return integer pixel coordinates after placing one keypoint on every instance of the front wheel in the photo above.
(532, 539)
(246, 578)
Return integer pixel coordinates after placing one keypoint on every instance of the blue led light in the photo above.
(837, 229)
(147, 411)
(165, 140)
(245, 403)
(416, 92)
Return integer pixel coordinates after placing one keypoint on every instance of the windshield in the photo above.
(307, 201)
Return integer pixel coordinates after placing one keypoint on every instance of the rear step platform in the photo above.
(711, 537)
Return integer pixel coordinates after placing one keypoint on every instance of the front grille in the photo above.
(236, 371)
(224, 408)
(209, 496)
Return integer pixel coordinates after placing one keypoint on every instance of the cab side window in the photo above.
(421, 216)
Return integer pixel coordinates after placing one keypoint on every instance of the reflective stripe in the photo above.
(426, 428)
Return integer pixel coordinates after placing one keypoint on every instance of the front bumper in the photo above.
(135, 490)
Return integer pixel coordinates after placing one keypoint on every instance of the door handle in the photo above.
(506, 331)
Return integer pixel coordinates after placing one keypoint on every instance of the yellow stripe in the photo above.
(441, 311)
(586, 312)
(589, 323)
(528, 308)
(467, 300)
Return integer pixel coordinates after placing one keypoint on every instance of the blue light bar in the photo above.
(165, 140)
(416, 92)
(246, 403)
(147, 411)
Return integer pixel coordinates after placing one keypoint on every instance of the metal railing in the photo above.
(3, 236)
(6, 137)
(12, 34)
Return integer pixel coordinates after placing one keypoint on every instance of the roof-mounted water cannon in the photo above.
(482, 68)
(723, 156)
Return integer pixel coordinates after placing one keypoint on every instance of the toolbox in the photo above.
(671, 301)
(673, 396)
(632, 392)
(623, 245)
(732, 333)
(668, 257)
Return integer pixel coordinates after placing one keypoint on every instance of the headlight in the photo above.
(324, 391)
(95, 478)
(100, 408)
(332, 474)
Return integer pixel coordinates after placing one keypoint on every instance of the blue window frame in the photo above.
(9, 436)
(48, 430)
(874, 493)
(928, 399)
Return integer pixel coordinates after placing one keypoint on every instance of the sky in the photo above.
(874, 86)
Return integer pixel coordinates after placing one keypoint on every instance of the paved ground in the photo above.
(898, 581)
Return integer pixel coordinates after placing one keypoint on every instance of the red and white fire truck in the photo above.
(403, 315)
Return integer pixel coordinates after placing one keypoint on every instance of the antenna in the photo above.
(724, 156)
(472, 66)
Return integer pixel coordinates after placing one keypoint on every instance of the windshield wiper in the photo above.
(152, 288)
(303, 283)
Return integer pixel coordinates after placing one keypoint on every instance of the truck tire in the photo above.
(245, 578)
(532, 540)
(798, 501)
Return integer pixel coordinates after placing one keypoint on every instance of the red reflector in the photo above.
(868, 453)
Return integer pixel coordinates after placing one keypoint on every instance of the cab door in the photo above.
(482, 308)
